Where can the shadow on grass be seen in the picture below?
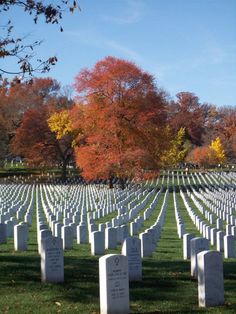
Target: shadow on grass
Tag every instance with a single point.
(22, 267)
(167, 283)
(23, 272)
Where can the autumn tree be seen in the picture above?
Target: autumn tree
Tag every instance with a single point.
(218, 152)
(210, 155)
(211, 124)
(176, 150)
(16, 98)
(187, 112)
(122, 120)
(35, 141)
(226, 130)
(16, 47)
(201, 156)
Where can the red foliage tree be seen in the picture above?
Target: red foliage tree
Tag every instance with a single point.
(203, 156)
(188, 113)
(226, 128)
(35, 141)
(121, 120)
(17, 98)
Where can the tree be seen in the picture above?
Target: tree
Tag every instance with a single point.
(188, 113)
(176, 151)
(211, 124)
(122, 117)
(17, 98)
(16, 47)
(201, 156)
(226, 128)
(218, 151)
(38, 144)
(60, 123)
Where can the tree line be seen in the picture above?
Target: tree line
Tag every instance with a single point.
(120, 124)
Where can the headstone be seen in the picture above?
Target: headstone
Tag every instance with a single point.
(10, 228)
(186, 245)
(210, 279)
(73, 226)
(229, 243)
(197, 245)
(146, 244)
(228, 229)
(220, 241)
(43, 234)
(67, 237)
(110, 238)
(132, 249)
(3, 233)
(58, 227)
(91, 228)
(97, 243)
(52, 260)
(213, 236)
(82, 234)
(219, 223)
(181, 230)
(114, 284)
(20, 237)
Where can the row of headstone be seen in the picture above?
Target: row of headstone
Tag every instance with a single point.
(224, 243)
(150, 237)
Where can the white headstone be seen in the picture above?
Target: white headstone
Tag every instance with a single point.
(82, 234)
(110, 238)
(220, 241)
(210, 279)
(67, 237)
(52, 260)
(186, 245)
(197, 245)
(132, 249)
(43, 234)
(229, 246)
(97, 243)
(146, 244)
(20, 237)
(114, 284)
(58, 227)
(213, 236)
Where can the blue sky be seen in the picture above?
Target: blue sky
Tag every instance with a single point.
(188, 45)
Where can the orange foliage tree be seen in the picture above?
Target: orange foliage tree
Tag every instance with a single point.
(203, 156)
(121, 121)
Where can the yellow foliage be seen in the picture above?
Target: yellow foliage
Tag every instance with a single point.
(218, 150)
(60, 123)
(176, 152)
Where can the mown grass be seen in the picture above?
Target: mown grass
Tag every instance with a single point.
(167, 286)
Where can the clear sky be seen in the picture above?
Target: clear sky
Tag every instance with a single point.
(188, 45)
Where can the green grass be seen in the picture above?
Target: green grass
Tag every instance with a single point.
(167, 286)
